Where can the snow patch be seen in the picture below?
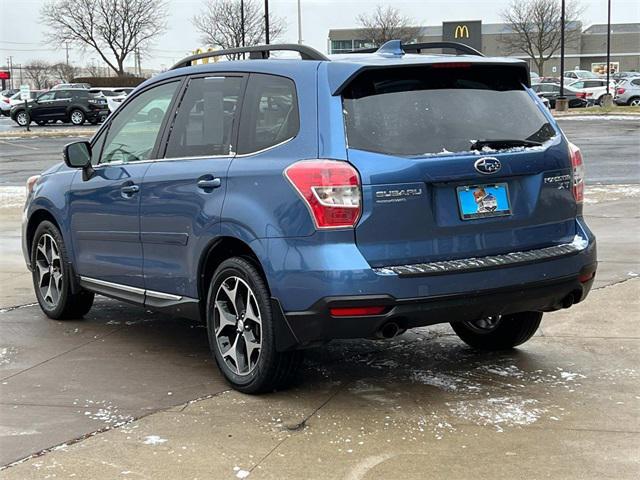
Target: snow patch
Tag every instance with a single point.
(498, 412)
(154, 440)
(12, 197)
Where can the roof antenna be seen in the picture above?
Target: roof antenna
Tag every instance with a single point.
(392, 47)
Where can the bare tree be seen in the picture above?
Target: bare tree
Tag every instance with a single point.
(536, 28)
(386, 23)
(115, 29)
(220, 23)
(64, 72)
(94, 70)
(38, 72)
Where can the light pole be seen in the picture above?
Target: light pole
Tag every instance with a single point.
(299, 23)
(266, 22)
(608, 45)
(561, 102)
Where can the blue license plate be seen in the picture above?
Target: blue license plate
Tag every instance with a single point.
(482, 201)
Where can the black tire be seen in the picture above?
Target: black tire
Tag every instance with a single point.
(77, 117)
(272, 370)
(22, 118)
(509, 331)
(65, 305)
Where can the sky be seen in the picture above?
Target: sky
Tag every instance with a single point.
(24, 38)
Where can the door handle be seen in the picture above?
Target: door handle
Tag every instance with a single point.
(129, 190)
(209, 183)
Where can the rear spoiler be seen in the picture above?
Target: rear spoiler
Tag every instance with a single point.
(344, 73)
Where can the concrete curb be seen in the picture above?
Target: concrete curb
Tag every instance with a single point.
(48, 134)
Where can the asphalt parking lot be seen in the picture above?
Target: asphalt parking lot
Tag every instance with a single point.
(422, 405)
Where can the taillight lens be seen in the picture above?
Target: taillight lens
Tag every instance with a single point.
(578, 172)
(581, 95)
(331, 190)
(620, 91)
(356, 311)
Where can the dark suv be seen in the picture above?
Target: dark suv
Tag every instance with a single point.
(70, 105)
(290, 202)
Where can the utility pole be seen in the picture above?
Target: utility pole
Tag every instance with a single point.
(10, 64)
(562, 103)
(608, 44)
(266, 22)
(299, 24)
(242, 39)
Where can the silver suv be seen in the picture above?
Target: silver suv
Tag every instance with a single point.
(628, 92)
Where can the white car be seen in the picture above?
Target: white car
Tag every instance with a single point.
(114, 96)
(579, 75)
(594, 88)
(6, 104)
(67, 86)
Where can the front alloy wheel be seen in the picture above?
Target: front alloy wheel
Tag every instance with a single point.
(22, 118)
(238, 326)
(49, 270)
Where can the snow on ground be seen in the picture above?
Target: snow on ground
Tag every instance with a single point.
(12, 197)
(610, 193)
(591, 118)
(154, 440)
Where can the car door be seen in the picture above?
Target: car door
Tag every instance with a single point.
(183, 193)
(60, 104)
(104, 205)
(43, 106)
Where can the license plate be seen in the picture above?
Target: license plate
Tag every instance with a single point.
(482, 201)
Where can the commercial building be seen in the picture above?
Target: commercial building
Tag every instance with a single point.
(585, 48)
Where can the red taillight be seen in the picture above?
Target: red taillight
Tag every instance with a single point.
(581, 95)
(585, 277)
(620, 91)
(331, 190)
(6, 100)
(356, 311)
(578, 172)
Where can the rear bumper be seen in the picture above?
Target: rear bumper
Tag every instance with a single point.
(316, 325)
(313, 277)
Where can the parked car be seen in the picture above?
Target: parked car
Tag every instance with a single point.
(8, 93)
(619, 76)
(74, 105)
(286, 203)
(6, 105)
(551, 92)
(116, 96)
(628, 92)
(594, 89)
(548, 80)
(67, 86)
(580, 75)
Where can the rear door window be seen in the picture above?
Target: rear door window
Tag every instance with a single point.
(423, 110)
(269, 114)
(205, 119)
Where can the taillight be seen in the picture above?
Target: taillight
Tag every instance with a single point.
(331, 190)
(6, 100)
(581, 95)
(620, 91)
(356, 311)
(578, 172)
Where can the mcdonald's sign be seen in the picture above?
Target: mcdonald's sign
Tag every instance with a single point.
(462, 31)
(469, 33)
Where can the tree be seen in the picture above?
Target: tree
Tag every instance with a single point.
(115, 29)
(38, 73)
(386, 23)
(64, 72)
(220, 23)
(536, 28)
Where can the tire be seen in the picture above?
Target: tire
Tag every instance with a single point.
(22, 118)
(499, 333)
(155, 115)
(263, 369)
(77, 117)
(634, 102)
(48, 257)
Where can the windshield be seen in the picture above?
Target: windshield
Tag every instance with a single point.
(424, 110)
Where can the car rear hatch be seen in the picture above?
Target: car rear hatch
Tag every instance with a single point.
(456, 161)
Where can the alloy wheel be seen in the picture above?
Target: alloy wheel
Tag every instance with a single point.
(237, 325)
(77, 117)
(49, 270)
(22, 119)
(484, 325)
(635, 102)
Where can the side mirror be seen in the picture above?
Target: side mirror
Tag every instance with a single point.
(77, 154)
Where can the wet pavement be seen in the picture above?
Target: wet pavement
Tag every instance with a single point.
(127, 393)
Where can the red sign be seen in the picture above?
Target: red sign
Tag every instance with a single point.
(5, 75)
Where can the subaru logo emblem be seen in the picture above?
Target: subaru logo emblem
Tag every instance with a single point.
(487, 165)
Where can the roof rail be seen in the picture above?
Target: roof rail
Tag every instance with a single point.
(256, 52)
(418, 47)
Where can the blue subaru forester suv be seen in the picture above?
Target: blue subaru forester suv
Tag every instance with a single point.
(288, 202)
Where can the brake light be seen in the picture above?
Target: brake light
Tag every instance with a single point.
(331, 190)
(451, 65)
(6, 100)
(578, 172)
(581, 95)
(620, 91)
(356, 311)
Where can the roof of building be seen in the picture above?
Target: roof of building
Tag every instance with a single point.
(601, 28)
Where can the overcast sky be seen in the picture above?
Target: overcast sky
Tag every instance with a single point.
(24, 38)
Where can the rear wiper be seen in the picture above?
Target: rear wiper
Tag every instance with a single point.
(503, 143)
